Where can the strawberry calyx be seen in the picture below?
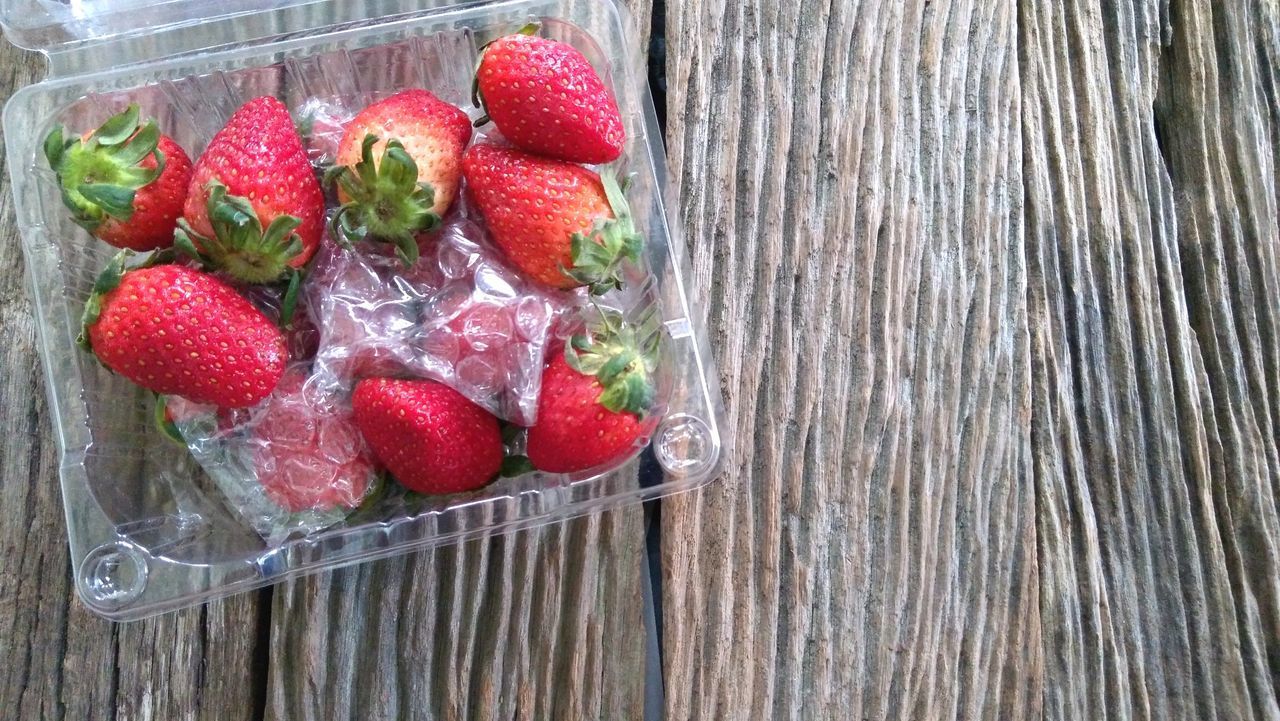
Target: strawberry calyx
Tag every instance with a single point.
(239, 245)
(165, 422)
(622, 357)
(107, 281)
(100, 175)
(289, 301)
(370, 506)
(514, 464)
(477, 98)
(386, 201)
(600, 255)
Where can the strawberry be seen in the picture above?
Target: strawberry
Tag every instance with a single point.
(175, 330)
(595, 400)
(124, 182)
(308, 458)
(431, 438)
(417, 140)
(547, 99)
(559, 223)
(254, 176)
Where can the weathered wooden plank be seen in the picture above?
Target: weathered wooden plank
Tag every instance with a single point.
(568, 598)
(640, 13)
(1150, 140)
(59, 660)
(544, 624)
(196, 663)
(886, 310)
(51, 669)
(540, 624)
(852, 193)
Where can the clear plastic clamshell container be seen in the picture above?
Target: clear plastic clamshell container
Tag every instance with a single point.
(149, 530)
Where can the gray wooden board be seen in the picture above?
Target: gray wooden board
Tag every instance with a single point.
(541, 624)
(852, 180)
(1151, 234)
(62, 662)
(993, 286)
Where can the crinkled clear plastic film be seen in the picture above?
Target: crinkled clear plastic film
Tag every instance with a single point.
(459, 316)
(293, 464)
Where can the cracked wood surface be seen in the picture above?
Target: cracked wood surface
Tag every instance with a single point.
(996, 286)
(993, 287)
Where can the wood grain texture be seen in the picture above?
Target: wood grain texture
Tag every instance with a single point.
(542, 624)
(538, 625)
(852, 195)
(49, 670)
(1150, 146)
(60, 661)
(1126, 154)
(993, 288)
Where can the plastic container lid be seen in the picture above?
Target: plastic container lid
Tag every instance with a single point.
(50, 24)
(91, 35)
(148, 530)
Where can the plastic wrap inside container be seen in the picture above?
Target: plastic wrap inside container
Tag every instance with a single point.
(460, 316)
(294, 463)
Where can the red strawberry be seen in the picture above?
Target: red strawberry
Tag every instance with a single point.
(594, 400)
(308, 458)
(431, 438)
(254, 176)
(179, 331)
(125, 182)
(547, 99)
(417, 140)
(559, 223)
